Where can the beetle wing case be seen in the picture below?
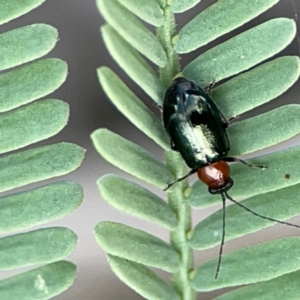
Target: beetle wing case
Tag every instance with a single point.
(194, 123)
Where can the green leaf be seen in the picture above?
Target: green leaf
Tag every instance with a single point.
(281, 205)
(130, 158)
(217, 20)
(241, 52)
(136, 245)
(30, 82)
(249, 265)
(12, 9)
(36, 247)
(245, 139)
(179, 6)
(132, 107)
(258, 86)
(283, 287)
(149, 11)
(22, 126)
(39, 164)
(40, 284)
(136, 200)
(32, 123)
(142, 280)
(133, 64)
(27, 43)
(282, 172)
(40, 205)
(132, 30)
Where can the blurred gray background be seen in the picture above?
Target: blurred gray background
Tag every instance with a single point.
(81, 46)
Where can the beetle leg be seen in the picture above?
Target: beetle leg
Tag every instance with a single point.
(208, 88)
(180, 179)
(235, 159)
(232, 119)
(158, 106)
(227, 122)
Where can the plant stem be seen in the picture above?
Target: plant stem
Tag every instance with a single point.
(174, 162)
(179, 205)
(165, 34)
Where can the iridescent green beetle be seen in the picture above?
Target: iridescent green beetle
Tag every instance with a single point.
(197, 129)
(196, 126)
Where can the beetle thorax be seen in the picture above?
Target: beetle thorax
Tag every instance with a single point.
(215, 175)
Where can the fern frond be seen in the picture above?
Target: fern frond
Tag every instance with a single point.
(23, 123)
(267, 191)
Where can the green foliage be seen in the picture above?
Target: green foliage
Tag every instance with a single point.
(30, 82)
(178, 6)
(239, 222)
(32, 123)
(268, 290)
(39, 164)
(149, 11)
(132, 107)
(12, 9)
(36, 247)
(218, 19)
(245, 50)
(258, 86)
(271, 192)
(134, 159)
(262, 263)
(25, 44)
(40, 283)
(133, 63)
(136, 200)
(136, 245)
(132, 30)
(142, 279)
(285, 119)
(23, 123)
(40, 205)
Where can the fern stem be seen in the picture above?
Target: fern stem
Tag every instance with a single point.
(174, 162)
(165, 34)
(178, 203)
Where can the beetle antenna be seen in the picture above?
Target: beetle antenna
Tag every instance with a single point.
(259, 215)
(235, 159)
(180, 179)
(158, 106)
(223, 237)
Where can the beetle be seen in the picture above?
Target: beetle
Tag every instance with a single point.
(197, 129)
